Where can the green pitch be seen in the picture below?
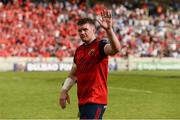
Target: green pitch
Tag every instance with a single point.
(137, 94)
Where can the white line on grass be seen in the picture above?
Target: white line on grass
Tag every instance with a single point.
(131, 90)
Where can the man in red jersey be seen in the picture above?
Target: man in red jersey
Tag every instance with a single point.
(90, 68)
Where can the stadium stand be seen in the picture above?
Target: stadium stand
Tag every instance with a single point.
(29, 29)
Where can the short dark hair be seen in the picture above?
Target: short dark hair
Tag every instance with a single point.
(83, 21)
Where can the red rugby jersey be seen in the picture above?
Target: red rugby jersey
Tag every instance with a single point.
(92, 71)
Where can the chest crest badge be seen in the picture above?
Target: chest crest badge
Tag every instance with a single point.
(91, 52)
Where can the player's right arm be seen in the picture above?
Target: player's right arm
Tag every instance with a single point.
(68, 83)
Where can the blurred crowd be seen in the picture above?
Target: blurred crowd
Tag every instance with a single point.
(49, 29)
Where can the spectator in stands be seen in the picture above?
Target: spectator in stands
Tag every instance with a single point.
(39, 29)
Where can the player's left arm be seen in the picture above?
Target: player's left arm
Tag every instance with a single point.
(106, 23)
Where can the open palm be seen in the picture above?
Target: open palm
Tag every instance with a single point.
(106, 19)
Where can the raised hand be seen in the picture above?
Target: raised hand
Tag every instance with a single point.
(106, 19)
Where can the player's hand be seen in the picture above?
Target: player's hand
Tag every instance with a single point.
(63, 98)
(106, 19)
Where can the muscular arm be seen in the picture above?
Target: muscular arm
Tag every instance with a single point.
(106, 23)
(73, 72)
(114, 46)
(71, 79)
(68, 83)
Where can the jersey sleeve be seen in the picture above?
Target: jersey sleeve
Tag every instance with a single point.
(102, 43)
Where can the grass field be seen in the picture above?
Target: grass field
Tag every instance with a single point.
(136, 94)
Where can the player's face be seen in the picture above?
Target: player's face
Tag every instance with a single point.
(86, 32)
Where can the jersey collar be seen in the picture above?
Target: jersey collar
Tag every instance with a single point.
(91, 42)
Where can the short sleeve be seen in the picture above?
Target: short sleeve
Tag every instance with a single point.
(102, 43)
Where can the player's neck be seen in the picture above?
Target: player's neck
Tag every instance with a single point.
(89, 42)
